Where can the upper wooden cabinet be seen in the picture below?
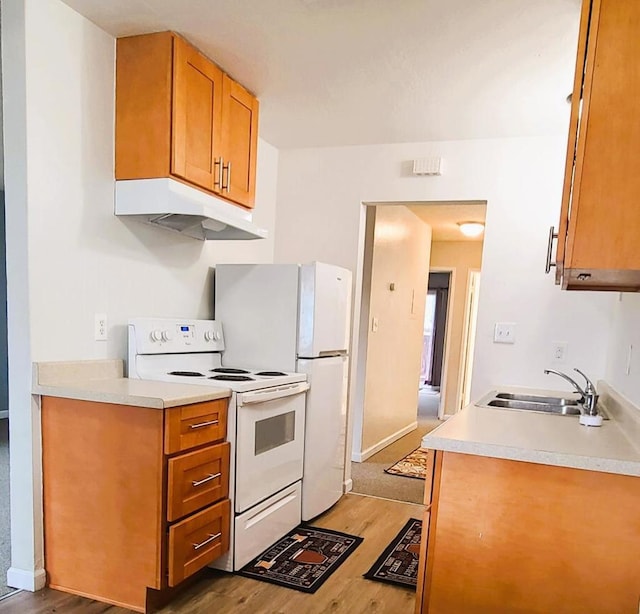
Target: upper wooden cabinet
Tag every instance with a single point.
(178, 114)
(598, 246)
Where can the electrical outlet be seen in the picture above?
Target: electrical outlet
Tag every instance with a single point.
(100, 326)
(559, 351)
(505, 332)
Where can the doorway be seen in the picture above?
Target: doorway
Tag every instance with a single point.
(400, 353)
(433, 343)
(436, 308)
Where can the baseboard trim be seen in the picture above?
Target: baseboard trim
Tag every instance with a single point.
(348, 485)
(26, 580)
(360, 457)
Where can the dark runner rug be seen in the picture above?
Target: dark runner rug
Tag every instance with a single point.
(303, 559)
(413, 465)
(398, 564)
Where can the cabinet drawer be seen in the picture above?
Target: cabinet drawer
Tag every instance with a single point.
(195, 425)
(198, 540)
(197, 479)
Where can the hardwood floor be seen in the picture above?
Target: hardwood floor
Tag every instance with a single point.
(346, 591)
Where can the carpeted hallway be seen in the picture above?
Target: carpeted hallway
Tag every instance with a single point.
(369, 477)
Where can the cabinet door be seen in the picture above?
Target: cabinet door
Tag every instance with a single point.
(576, 106)
(603, 215)
(197, 107)
(239, 143)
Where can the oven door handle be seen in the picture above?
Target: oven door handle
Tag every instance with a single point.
(261, 396)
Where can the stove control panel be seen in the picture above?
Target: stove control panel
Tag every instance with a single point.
(169, 336)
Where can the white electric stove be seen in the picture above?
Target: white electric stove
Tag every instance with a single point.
(265, 425)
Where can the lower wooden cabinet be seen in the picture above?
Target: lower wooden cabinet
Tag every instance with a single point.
(507, 536)
(135, 499)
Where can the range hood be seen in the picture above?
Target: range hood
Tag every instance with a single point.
(176, 206)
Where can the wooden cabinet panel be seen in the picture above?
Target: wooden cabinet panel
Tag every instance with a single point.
(576, 104)
(198, 540)
(197, 479)
(178, 114)
(195, 425)
(239, 142)
(197, 108)
(429, 477)
(508, 536)
(143, 106)
(600, 219)
(102, 499)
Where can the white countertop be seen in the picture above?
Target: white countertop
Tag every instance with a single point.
(547, 439)
(102, 382)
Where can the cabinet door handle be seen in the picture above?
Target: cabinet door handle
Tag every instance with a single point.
(211, 476)
(226, 187)
(203, 424)
(206, 541)
(552, 235)
(219, 163)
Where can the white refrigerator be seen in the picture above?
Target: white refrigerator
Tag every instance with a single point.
(293, 317)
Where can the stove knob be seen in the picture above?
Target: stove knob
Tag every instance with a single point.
(209, 335)
(166, 335)
(156, 335)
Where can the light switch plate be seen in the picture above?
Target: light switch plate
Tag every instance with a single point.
(505, 332)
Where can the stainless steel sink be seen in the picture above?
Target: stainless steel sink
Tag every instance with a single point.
(566, 409)
(561, 406)
(533, 398)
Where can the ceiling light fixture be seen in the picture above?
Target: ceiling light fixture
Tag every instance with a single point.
(471, 229)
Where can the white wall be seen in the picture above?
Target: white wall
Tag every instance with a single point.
(400, 256)
(625, 334)
(68, 255)
(319, 216)
(79, 250)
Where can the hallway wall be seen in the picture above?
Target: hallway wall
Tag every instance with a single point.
(401, 245)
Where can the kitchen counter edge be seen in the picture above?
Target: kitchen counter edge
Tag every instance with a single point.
(102, 381)
(487, 432)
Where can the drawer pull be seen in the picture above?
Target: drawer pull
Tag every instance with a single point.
(211, 476)
(203, 424)
(206, 541)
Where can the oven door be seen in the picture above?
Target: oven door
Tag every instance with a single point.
(269, 443)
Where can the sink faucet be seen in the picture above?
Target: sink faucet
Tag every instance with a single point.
(589, 394)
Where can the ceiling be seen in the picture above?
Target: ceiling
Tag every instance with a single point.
(353, 72)
(443, 217)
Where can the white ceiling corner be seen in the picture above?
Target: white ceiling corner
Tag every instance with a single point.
(352, 72)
